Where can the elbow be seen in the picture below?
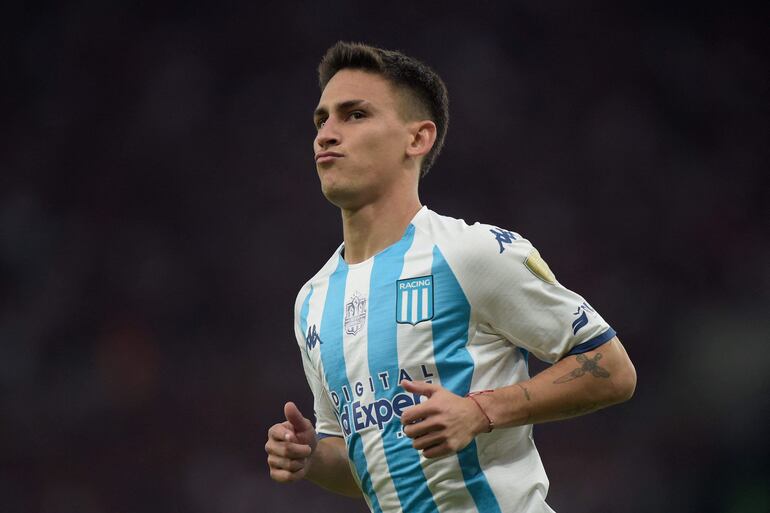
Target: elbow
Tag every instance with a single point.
(625, 384)
(623, 374)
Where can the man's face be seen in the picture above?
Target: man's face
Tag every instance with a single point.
(361, 143)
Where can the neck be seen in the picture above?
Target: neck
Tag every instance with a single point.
(375, 226)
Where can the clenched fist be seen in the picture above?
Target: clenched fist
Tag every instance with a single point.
(290, 445)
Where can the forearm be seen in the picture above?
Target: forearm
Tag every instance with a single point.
(573, 386)
(329, 467)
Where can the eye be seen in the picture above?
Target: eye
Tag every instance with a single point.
(357, 114)
(320, 123)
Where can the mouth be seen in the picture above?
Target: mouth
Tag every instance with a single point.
(327, 156)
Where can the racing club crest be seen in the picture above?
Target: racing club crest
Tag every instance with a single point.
(414, 300)
(355, 314)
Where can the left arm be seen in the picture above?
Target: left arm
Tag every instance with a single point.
(575, 385)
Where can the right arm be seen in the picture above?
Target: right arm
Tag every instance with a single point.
(294, 453)
(293, 448)
(329, 467)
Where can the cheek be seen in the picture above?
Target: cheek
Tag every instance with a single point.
(386, 144)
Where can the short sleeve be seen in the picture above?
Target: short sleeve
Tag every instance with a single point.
(513, 291)
(326, 423)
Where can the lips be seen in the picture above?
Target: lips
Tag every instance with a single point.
(326, 156)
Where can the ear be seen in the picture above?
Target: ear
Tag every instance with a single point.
(422, 137)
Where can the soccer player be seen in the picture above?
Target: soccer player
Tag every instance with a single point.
(415, 334)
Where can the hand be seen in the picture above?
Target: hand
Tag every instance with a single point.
(442, 425)
(290, 445)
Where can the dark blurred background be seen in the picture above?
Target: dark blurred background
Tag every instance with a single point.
(159, 210)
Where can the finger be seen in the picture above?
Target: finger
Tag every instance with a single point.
(417, 413)
(285, 476)
(437, 451)
(289, 435)
(291, 465)
(419, 429)
(410, 417)
(295, 417)
(420, 387)
(280, 432)
(297, 450)
(429, 440)
(288, 449)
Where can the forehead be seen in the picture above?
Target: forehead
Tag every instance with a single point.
(348, 84)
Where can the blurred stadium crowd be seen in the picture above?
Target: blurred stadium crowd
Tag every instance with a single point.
(159, 210)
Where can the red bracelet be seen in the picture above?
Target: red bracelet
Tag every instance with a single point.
(489, 421)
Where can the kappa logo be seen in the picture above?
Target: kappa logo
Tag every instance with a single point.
(582, 320)
(355, 314)
(503, 237)
(579, 323)
(312, 338)
(414, 300)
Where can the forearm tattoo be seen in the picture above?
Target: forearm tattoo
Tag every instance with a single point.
(586, 366)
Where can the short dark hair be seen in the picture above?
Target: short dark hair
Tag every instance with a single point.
(424, 87)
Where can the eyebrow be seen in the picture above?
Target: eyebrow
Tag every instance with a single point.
(320, 111)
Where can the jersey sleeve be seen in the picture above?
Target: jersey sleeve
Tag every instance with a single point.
(326, 423)
(512, 290)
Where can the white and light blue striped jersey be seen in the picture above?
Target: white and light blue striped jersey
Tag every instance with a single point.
(457, 305)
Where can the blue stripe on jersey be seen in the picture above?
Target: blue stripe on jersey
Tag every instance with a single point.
(403, 460)
(590, 345)
(321, 436)
(525, 354)
(455, 367)
(333, 358)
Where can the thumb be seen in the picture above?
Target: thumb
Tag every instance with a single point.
(295, 417)
(420, 387)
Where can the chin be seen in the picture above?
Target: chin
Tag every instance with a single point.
(343, 196)
(338, 196)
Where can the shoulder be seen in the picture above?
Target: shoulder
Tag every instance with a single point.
(485, 258)
(477, 242)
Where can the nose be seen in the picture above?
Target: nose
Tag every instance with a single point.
(327, 136)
